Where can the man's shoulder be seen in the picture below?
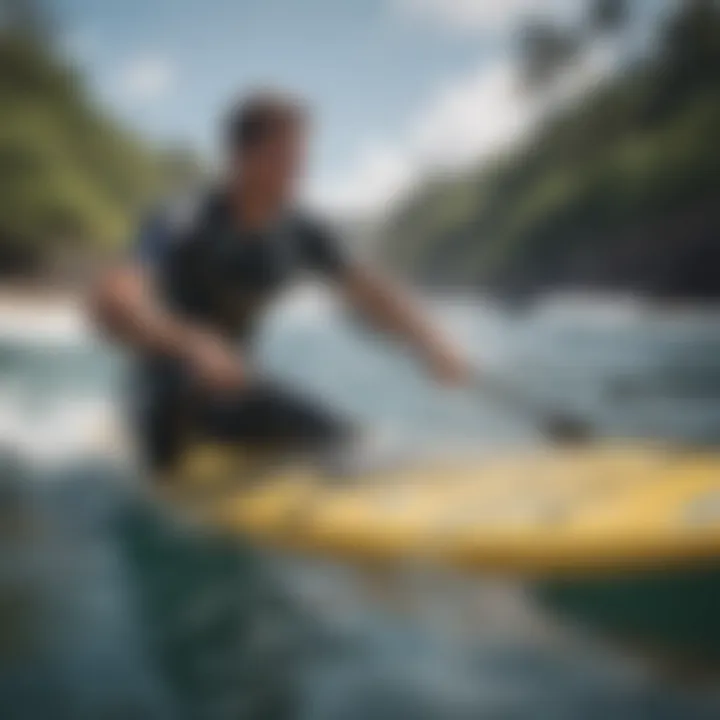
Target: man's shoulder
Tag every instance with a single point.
(169, 224)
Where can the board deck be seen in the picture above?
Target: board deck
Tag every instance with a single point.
(551, 512)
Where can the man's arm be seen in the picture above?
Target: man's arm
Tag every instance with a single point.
(384, 303)
(123, 305)
(393, 310)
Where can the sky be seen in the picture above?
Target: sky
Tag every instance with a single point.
(397, 86)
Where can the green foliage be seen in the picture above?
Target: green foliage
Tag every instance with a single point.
(70, 177)
(642, 147)
(545, 50)
(608, 15)
(30, 19)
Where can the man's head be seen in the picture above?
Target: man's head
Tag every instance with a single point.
(266, 138)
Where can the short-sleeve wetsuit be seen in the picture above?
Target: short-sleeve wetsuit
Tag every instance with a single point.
(208, 271)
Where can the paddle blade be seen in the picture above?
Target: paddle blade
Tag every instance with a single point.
(560, 427)
(566, 429)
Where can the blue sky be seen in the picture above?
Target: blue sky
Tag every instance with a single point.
(391, 80)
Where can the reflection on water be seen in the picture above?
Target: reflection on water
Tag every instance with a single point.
(113, 607)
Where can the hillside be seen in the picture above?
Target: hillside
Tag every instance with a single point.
(621, 192)
(71, 177)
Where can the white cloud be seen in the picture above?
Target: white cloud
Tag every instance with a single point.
(483, 15)
(466, 121)
(474, 116)
(146, 78)
(381, 171)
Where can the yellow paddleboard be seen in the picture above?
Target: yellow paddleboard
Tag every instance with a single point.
(554, 512)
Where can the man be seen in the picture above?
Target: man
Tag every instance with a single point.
(200, 278)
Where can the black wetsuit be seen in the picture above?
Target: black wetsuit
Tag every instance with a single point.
(209, 271)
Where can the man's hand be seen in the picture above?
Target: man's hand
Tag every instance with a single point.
(394, 310)
(123, 305)
(214, 363)
(450, 368)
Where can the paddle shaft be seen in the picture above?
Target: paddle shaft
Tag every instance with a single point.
(557, 425)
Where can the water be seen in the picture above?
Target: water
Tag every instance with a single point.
(114, 608)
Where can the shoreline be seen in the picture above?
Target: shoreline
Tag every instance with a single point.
(35, 302)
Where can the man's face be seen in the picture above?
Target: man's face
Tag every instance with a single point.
(275, 165)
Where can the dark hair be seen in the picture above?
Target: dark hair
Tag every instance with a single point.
(261, 115)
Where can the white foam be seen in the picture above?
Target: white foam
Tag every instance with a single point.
(62, 433)
(33, 325)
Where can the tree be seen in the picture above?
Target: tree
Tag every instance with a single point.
(71, 178)
(618, 189)
(692, 39)
(31, 19)
(545, 49)
(608, 16)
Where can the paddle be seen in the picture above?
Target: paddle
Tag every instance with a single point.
(637, 388)
(558, 425)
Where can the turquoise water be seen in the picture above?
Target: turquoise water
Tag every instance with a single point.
(114, 608)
